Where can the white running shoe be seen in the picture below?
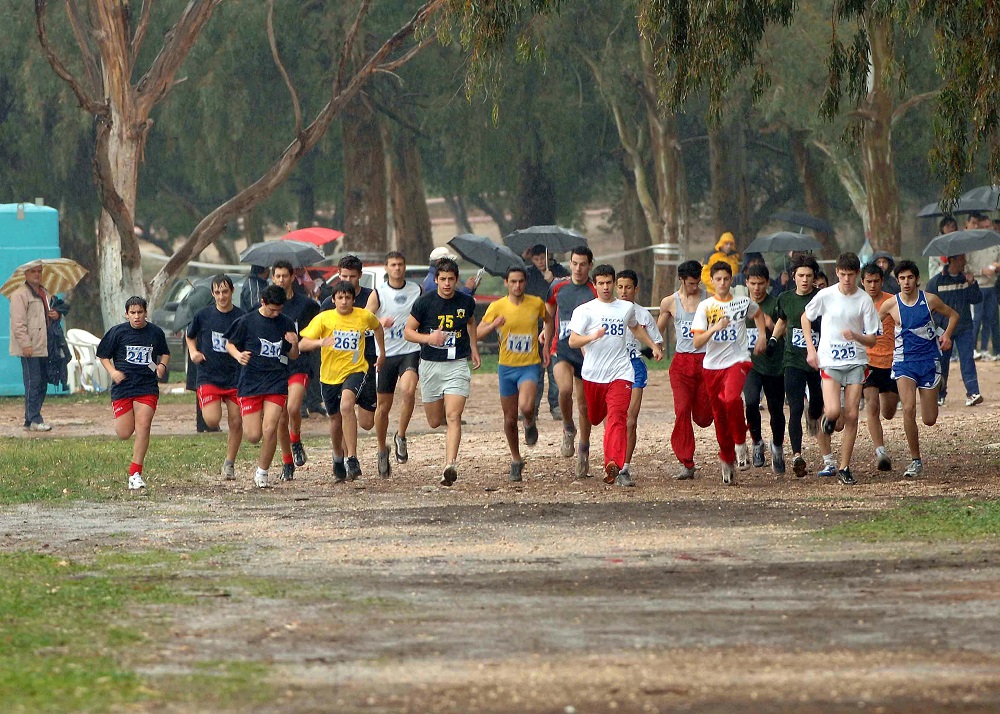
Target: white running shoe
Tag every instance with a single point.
(973, 400)
(135, 482)
(228, 471)
(260, 479)
(742, 457)
(728, 473)
(914, 469)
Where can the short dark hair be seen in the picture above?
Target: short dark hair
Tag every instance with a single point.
(689, 269)
(976, 216)
(350, 262)
(279, 264)
(258, 269)
(344, 286)
(603, 269)
(394, 255)
(821, 274)
(221, 279)
(873, 268)
(446, 265)
(905, 265)
(584, 251)
(948, 219)
(136, 301)
(804, 261)
(758, 271)
(849, 261)
(538, 249)
(272, 295)
(628, 275)
(514, 269)
(720, 265)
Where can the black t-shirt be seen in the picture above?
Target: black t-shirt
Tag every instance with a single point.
(300, 309)
(433, 312)
(264, 338)
(134, 352)
(360, 300)
(208, 329)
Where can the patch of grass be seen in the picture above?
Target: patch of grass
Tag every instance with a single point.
(934, 520)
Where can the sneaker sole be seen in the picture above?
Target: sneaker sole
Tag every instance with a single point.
(885, 465)
(611, 472)
(401, 456)
(449, 476)
(800, 469)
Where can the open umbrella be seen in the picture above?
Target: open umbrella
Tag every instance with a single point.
(58, 276)
(317, 235)
(269, 252)
(798, 218)
(556, 239)
(959, 242)
(782, 242)
(989, 196)
(965, 204)
(495, 259)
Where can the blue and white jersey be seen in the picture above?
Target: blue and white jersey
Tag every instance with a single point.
(916, 333)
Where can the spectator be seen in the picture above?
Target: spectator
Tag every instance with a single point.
(958, 289)
(983, 264)
(935, 264)
(30, 314)
(725, 251)
(429, 284)
(255, 283)
(539, 277)
(740, 280)
(885, 261)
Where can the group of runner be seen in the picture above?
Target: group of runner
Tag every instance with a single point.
(821, 347)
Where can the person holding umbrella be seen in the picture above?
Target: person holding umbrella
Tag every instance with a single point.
(958, 289)
(252, 287)
(30, 315)
(541, 271)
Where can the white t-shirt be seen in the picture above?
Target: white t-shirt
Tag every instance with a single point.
(606, 359)
(843, 312)
(644, 318)
(727, 347)
(397, 303)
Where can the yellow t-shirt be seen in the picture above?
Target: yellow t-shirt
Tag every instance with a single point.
(518, 336)
(347, 355)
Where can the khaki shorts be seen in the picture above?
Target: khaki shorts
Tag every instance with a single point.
(440, 378)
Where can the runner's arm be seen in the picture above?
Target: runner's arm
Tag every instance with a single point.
(380, 342)
(474, 344)
(807, 334)
(700, 338)
(642, 334)
(576, 340)
(760, 319)
(937, 305)
(666, 312)
(780, 327)
(373, 303)
(117, 376)
(196, 355)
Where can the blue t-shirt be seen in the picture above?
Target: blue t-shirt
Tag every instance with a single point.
(136, 353)
(208, 329)
(264, 338)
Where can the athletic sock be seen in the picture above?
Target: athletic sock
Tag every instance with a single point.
(261, 472)
(286, 459)
(340, 459)
(625, 466)
(229, 462)
(296, 438)
(879, 450)
(828, 459)
(134, 468)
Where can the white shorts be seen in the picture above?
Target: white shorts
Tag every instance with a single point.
(440, 378)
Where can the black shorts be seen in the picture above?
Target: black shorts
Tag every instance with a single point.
(881, 379)
(355, 383)
(573, 357)
(395, 367)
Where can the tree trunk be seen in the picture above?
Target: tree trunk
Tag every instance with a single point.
(635, 232)
(850, 181)
(253, 227)
(456, 205)
(728, 164)
(365, 201)
(536, 195)
(409, 199)
(76, 240)
(812, 189)
(304, 188)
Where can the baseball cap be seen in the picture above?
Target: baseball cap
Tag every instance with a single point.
(442, 251)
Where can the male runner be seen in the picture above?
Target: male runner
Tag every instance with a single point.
(564, 298)
(766, 374)
(136, 355)
(520, 368)
(627, 283)
(850, 321)
(880, 392)
(442, 322)
(720, 326)
(300, 309)
(343, 370)
(799, 374)
(402, 359)
(218, 374)
(263, 341)
(687, 379)
(916, 362)
(599, 328)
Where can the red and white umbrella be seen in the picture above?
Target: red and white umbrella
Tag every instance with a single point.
(314, 234)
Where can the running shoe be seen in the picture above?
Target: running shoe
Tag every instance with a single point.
(583, 462)
(812, 426)
(135, 482)
(914, 469)
(287, 472)
(298, 453)
(384, 469)
(228, 471)
(973, 400)
(882, 460)
(568, 441)
(353, 468)
(260, 479)
(685, 474)
(799, 466)
(828, 426)
(611, 472)
(531, 434)
(624, 479)
(556, 414)
(399, 445)
(516, 467)
(39, 426)
(339, 471)
(449, 475)
(941, 401)
(742, 457)
(758, 454)
(829, 470)
(778, 459)
(977, 355)
(728, 473)
(846, 477)
(627, 469)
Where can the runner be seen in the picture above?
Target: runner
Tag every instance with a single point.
(799, 374)
(402, 359)
(719, 326)
(880, 392)
(766, 375)
(300, 309)
(520, 368)
(916, 362)
(441, 322)
(599, 328)
(850, 320)
(217, 374)
(627, 283)
(564, 298)
(263, 341)
(341, 333)
(136, 355)
(687, 378)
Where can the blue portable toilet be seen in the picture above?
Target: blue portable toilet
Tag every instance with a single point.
(27, 232)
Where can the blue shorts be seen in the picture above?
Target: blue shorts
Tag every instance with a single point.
(926, 373)
(641, 376)
(511, 378)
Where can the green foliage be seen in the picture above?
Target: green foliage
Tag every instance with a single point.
(934, 520)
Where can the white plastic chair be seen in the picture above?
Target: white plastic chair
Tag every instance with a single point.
(86, 372)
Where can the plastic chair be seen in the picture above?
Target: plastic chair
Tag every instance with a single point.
(86, 372)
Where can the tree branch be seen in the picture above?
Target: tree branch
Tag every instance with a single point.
(345, 51)
(140, 30)
(90, 105)
(86, 52)
(281, 68)
(914, 101)
(395, 64)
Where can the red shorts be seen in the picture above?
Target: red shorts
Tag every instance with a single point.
(299, 378)
(208, 393)
(251, 405)
(120, 407)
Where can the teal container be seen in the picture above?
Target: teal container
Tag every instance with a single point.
(27, 232)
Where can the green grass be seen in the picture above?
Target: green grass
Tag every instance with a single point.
(934, 520)
(69, 640)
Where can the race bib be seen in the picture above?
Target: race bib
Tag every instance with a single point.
(346, 340)
(843, 351)
(137, 354)
(615, 328)
(684, 330)
(520, 344)
(218, 341)
(727, 335)
(270, 349)
(564, 329)
(799, 338)
(752, 334)
(449, 341)
(396, 332)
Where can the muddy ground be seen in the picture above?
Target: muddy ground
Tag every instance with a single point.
(558, 595)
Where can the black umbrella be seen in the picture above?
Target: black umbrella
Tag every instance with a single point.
(988, 196)
(964, 204)
(959, 242)
(556, 239)
(268, 253)
(797, 218)
(782, 242)
(495, 259)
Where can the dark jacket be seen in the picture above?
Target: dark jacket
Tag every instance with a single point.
(250, 294)
(958, 294)
(889, 282)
